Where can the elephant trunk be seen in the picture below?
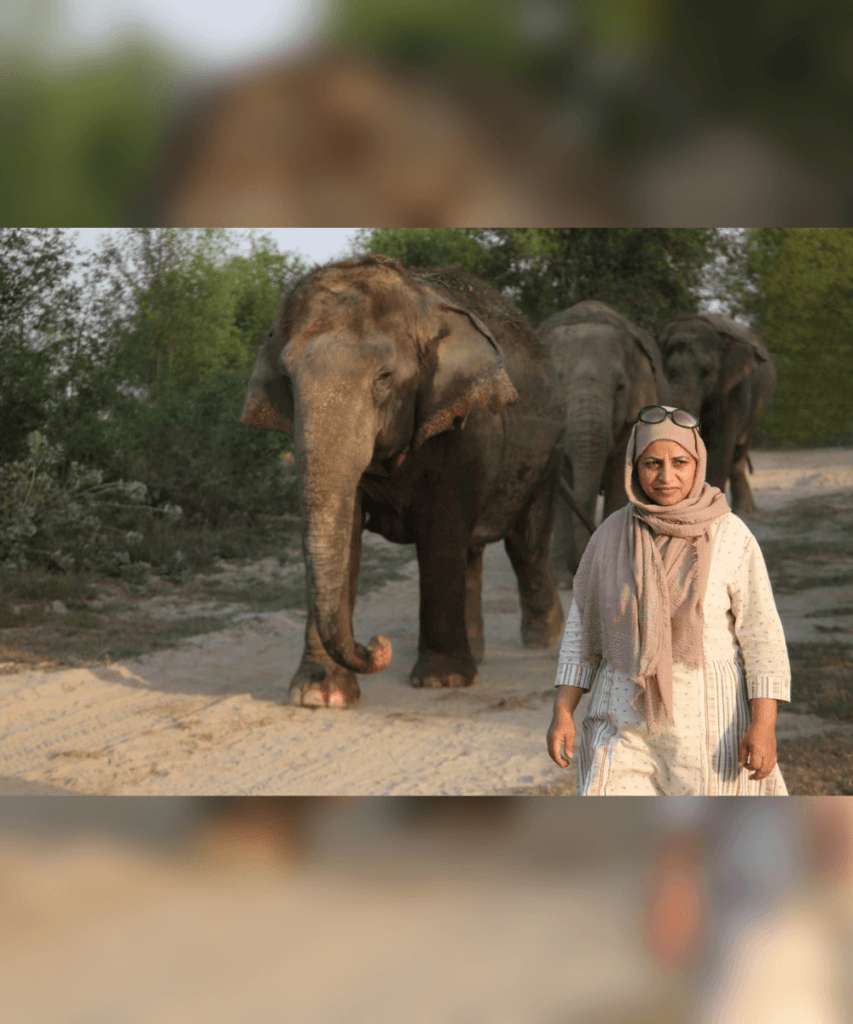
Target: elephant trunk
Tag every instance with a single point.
(588, 439)
(329, 473)
(685, 391)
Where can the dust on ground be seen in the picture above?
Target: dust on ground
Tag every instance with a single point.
(205, 713)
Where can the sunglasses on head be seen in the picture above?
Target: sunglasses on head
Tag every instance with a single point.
(657, 414)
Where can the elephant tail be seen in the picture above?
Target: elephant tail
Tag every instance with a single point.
(568, 496)
(749, 464)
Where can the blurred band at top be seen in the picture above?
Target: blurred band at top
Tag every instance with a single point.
(435, 113)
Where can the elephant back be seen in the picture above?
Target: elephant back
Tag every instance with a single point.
(722, 325)
(593, 311)
(509, 326)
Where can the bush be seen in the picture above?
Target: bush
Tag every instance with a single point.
(71, 520)
(191, 449)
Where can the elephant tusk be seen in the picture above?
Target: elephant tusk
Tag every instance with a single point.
(575, 505)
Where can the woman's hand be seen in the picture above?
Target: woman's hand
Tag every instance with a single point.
(757, 751)
(561, 733)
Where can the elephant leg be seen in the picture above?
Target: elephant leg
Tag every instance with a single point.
(319, 681)
(721, 445)
(565, 549)
(615, 496)
(542, 618)
(442, 535)
(742, 499)
(562, 551)
(473, 601)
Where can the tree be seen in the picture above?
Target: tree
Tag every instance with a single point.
(801, 300)
(258, 281)
(648, 274)
(39, 304)
(174, 303)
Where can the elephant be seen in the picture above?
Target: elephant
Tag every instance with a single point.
(719, 370)
(330, 138)
(610, 369)
(422, 408)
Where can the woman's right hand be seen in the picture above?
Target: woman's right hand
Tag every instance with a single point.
(561, 734)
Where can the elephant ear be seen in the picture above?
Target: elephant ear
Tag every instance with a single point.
(269, 397)
(463, 368)
(744, 352)
(648, 346)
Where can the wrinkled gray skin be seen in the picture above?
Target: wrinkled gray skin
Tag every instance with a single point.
(415, 419)
(721, 371)
(610, 369)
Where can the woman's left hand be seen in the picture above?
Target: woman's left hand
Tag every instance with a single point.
(757, 750)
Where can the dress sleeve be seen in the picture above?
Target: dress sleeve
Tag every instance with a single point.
(759, 629)
(572, 670)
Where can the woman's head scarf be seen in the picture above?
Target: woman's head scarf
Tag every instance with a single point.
(642, 579)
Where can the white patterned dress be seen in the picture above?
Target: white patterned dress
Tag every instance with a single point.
(697, 754)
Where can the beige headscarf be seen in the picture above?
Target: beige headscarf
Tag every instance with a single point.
(642, 579)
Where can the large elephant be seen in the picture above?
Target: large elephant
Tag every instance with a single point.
(719, 369)
(423, 408)
(610, 369)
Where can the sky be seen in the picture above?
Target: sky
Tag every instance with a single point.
(317, 245)
(208, 32)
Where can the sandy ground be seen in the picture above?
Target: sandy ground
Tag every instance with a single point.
(125, 938)
(417, 911)
(207, 718)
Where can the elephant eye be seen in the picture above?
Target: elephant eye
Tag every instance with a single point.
(385, 373)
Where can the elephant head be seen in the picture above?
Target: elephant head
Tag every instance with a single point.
(705, 358)
(366, 363)
(610, 369)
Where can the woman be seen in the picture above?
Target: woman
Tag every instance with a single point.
(674, 627)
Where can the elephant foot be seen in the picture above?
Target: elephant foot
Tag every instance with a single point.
(444, 670)
(543, 630)
(316, 685)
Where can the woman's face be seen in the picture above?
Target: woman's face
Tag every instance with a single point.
(666, 472)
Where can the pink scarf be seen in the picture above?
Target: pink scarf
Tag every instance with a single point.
(642, 580)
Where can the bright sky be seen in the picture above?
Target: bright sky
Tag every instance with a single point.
(317, 245)
(208, 31)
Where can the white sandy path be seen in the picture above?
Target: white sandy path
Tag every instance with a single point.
(207, 719)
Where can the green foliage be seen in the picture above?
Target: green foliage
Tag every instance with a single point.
(191, 449)
(77, 139)
(137, 357)
(187, 306)
(181, 303)
(648, 274)
(432, 247)
(799, 294)
(70, 521)
(257, 282)
(38, 304)
(480, 35)
(638, 74)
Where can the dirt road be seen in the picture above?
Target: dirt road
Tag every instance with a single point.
(207, 717)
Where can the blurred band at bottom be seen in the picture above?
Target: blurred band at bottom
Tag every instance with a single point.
(426, 909)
